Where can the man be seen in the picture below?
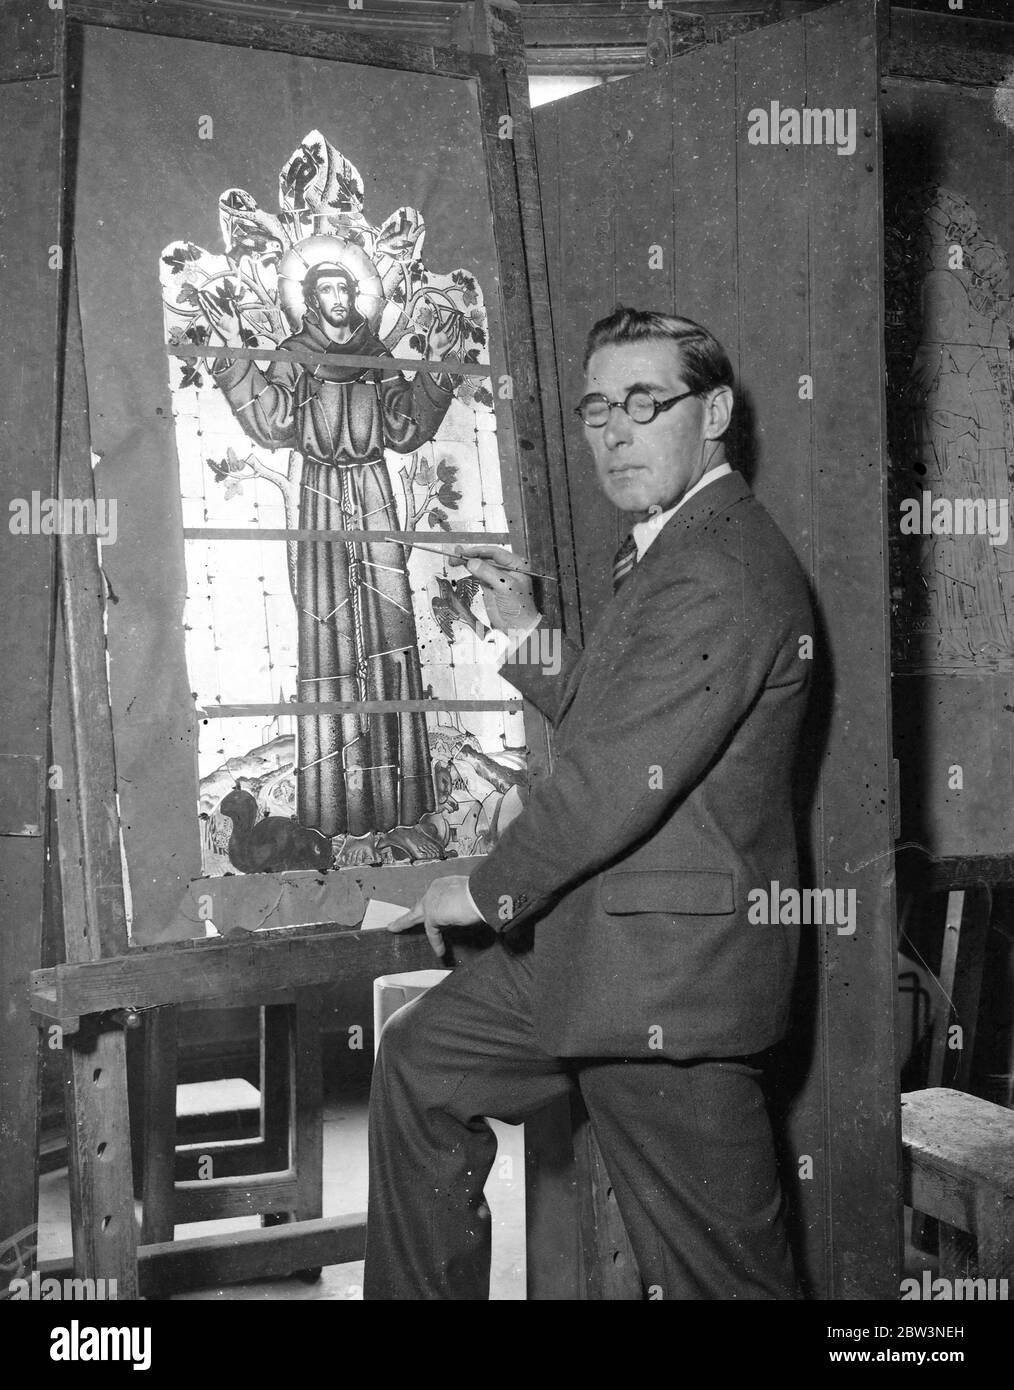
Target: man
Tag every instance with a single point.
(357, 774)
(669, 799)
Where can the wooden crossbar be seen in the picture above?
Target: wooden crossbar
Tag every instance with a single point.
(206, 1261)
(260, 966)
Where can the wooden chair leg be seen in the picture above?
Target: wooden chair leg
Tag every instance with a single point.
(994, 1225)
(277, 1074)
(552, 1227)
(576, 1242)
(308, 1093)
(101, 1187)
(956, 1252)
(161, 1066)
(966, 929)
(611, 1270)
(948, 964)
(968, 978)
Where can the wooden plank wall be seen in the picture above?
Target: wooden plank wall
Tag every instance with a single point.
(779, 252)
(29, 390)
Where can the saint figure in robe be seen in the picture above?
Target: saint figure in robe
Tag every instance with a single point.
(358, 775)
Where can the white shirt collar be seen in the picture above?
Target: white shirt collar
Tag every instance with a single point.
(644, 532)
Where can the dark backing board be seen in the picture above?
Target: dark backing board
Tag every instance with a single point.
(778, 251)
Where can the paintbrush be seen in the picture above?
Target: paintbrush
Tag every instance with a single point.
(432, 550)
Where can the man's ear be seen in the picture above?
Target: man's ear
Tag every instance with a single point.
(718, 412)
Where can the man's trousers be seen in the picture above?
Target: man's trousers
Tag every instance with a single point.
(687, 1146)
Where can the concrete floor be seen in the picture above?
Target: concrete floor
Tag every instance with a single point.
(345, 1187)
(345, 1191)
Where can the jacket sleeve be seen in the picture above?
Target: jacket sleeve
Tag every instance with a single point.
(543, 688)
(652, 714)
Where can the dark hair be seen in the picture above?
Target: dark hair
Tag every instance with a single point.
(704, 362)
(328, 271)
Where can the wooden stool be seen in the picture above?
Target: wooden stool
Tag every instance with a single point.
(279, 1176)
(958, 1166)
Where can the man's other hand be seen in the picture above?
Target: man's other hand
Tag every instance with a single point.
(506, 592)
(446, 903)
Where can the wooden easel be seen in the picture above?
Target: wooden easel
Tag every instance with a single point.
(89, 871)
(576, 1240)
(90, 894)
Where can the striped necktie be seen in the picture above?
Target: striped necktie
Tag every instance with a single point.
(624, 561)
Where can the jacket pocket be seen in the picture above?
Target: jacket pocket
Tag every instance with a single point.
(697, 893)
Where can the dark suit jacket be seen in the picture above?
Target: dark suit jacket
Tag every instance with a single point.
(669, 799)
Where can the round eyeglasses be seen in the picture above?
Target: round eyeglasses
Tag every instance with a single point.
(639, 404)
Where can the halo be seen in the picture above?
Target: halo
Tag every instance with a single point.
(311, 251)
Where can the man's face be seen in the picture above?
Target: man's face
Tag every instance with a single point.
(334, 302)
(640, 466)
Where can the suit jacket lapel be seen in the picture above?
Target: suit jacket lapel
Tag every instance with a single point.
(711, 500)
(570, 689)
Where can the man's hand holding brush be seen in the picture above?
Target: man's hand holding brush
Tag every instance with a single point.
(506, 586)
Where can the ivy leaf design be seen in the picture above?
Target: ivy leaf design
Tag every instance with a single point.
(233, 488)
(483, 396)
(190, 376)
(438, 519)
(197, 334)
(225, 295)
(449, 497)
(425, 474)
(187, 295)
(225, 470)
(446, 493)
(300, 173)
(181, 256)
